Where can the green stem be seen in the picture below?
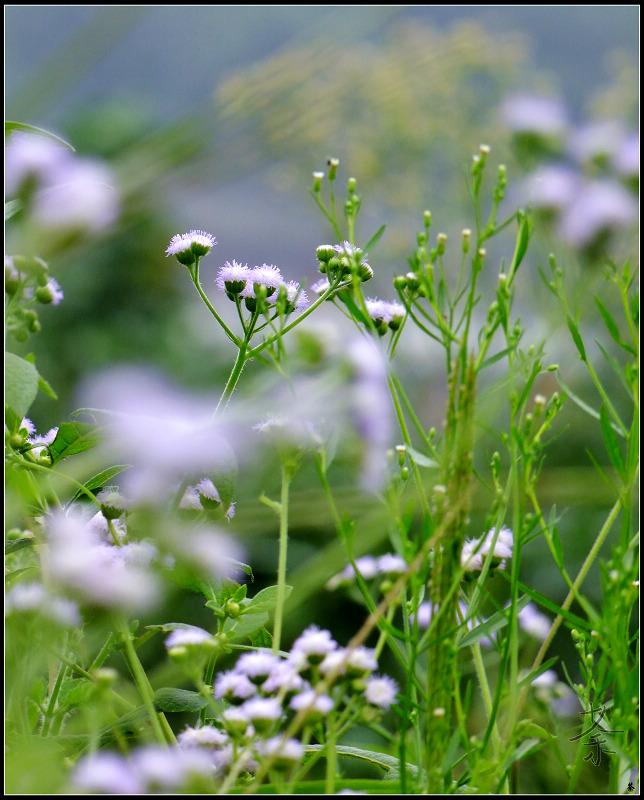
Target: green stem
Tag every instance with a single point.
(287, 477)
(195, 279)
(140, 678)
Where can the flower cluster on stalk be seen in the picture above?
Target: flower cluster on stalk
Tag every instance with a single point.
(261, 284)
(260, 697)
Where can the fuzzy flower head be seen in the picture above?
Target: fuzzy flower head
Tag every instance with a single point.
(232, 278)
(188, 247)
(475, 552)
(313, 645)
(380, 691)
(386, 315)
(352, 258)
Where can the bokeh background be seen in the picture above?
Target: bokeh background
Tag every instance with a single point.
(214, 118)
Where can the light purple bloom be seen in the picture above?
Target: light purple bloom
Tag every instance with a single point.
(371, 405)
(312, 703)
(187, 636)
(106, 773)
(97, 573)
(474, 552)
(391, 564)
(206, 736)
(199, 242)
(234, 686)
(599, 207)
(164, 433)
(381, 691)
(81, 196)
(553, 187)
(597, 140)
(170, 767)
(534, 622)
(314, 643)
(524, 113)
(257, 666)
(320, 287)
(33, 597)
(233, 277)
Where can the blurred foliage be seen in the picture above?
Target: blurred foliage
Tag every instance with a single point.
(401, 114)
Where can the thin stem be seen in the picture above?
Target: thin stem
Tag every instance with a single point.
(287, 476)
(140, 678)
(195, 279)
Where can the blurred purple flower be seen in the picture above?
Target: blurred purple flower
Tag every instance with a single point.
(599, 207)
(524, 113)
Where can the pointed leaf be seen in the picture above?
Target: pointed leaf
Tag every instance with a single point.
(21, 383)
(421, 460)
(576, 337)
(266, 600)
(375, 238)
(612, 326)
(101, 479)
(10, 127)
(612, 445)
(73, 438)
(178, 700)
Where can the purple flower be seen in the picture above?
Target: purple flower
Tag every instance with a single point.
(233, 277)
(199, 243)
(599, 207)
(524, 113)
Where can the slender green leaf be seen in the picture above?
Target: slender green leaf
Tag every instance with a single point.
(19, 573)
(612, 445)
(612, 327)
(44, 386)
(101, 479)
(11, 208)
(420, 459)
(18, 544)
(375, 238)
(615, 366)
(390, 765)
(11, 127)
(576, 337)
(527, 679)
(497, 357)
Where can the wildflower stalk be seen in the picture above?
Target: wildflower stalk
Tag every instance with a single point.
(288, 472)
(456, 475)
(123, 635)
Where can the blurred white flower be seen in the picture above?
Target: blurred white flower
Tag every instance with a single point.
(95, 572)
(33, 597)
(82, 196)
(381, 691)
(534, 622)
(164, 433)
(371, 408)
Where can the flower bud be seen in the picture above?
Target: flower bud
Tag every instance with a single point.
(333, 164)
(318, 177)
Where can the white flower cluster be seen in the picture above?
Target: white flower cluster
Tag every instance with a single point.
(369, 567)
(475, 551)
(39, 443)
(240, 280)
